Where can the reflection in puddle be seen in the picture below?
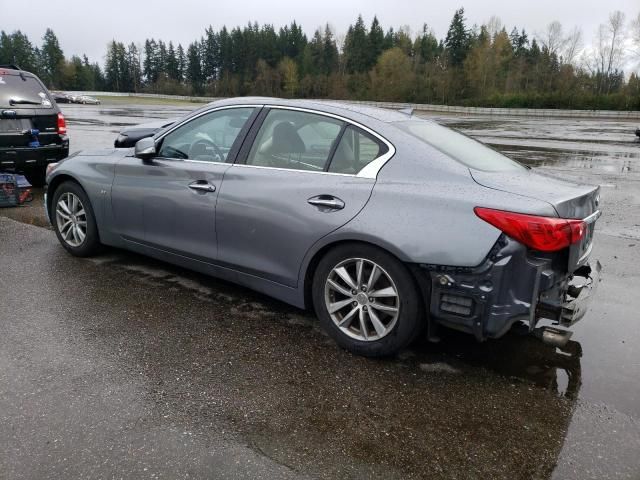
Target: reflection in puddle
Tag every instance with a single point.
(517, 357)
(592, 144)
(597, 161)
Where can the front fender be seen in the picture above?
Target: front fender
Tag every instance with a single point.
(95, 175)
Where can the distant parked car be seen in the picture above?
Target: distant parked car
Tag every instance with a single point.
(61, 97)
(386, 224)
(87, 100)
(33, 132)
(128, 136)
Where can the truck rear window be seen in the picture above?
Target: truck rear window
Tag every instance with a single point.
(462, 148)
(16, 92)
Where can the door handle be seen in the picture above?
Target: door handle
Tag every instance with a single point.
(326, 201)
(202, 186)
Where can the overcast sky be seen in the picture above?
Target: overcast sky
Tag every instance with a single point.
(87, 26)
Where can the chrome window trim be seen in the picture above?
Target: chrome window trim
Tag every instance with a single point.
(314, 172)
(205, 161)
(370, 170)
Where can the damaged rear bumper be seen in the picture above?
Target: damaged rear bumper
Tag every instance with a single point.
(511, 285)
(579, 296)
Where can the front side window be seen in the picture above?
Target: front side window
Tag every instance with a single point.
(207, 138)
(294, 140)
(355, 151)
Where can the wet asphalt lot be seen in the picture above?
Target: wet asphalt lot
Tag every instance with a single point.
(124, 367)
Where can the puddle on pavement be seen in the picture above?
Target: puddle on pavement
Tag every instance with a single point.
(600, 146)
(620, 163)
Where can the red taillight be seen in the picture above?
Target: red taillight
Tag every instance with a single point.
(547, 234)
(62, 125)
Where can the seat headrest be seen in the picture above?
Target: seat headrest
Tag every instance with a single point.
(286, 139)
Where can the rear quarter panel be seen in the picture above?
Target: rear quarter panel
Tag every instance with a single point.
(421, 209)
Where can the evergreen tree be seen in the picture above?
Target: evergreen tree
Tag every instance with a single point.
(210, 54)
(52, 58)
(17, 49)
(314, 55)
(134, 69)
(330, 51)
(194, 73)
(457, 40)
(182, 63)
(356, 47)
(150, 62)
(376, 42)
(427, 45)
(172, 64)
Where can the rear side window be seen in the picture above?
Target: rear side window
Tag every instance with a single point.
(355, 151)
(22, 92)
(464, 149)
(294, 140)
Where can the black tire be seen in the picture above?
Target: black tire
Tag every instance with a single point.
(36, 176)
(410, 316)
(91, 243)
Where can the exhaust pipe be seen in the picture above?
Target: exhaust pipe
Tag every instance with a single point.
(553, 336)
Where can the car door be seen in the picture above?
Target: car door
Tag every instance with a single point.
(283, 194)
(169, 201)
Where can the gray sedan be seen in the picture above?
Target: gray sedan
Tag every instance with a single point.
(386, 224)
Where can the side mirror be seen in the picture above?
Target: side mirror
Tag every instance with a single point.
(145, 148)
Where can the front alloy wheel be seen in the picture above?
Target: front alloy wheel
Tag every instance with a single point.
(71, 219)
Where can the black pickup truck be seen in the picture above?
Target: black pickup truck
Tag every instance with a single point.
(33, 131)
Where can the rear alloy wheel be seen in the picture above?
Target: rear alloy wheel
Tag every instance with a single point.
(73, 220)
(367, 300)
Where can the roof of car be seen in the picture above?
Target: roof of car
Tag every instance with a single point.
(329, 106)
(13, 70)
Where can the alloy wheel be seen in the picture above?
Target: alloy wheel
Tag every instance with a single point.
(362, 299)
(71, 219)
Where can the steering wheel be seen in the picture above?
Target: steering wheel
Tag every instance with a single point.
(203, 143)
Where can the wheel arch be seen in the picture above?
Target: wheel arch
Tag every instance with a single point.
(314, 258)
(58, 180)
(55, 182)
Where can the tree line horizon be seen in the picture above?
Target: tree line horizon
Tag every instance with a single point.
(473, 66)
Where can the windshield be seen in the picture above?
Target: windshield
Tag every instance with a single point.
(22, 92)
(462, 148)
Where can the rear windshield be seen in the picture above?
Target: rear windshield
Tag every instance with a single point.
(464, 149)
(16, 92)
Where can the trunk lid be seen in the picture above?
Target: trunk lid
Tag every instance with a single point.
(570, 200)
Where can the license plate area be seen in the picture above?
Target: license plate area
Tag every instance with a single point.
(14, 125)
